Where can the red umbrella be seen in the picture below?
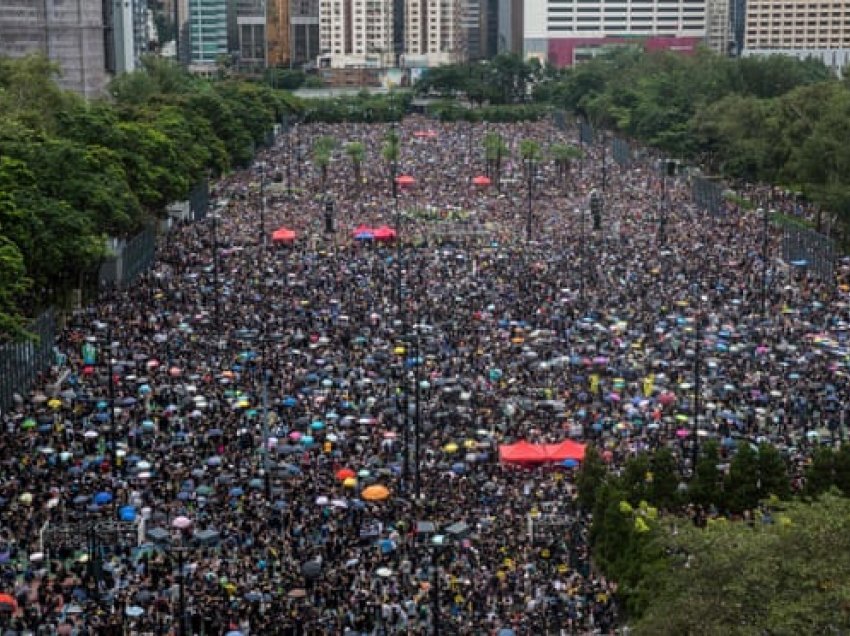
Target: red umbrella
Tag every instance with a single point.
(405, 180)
(425, 134)
(283, 235)
(8, 602)
(481, 180)
(384, 233)
(344, 473)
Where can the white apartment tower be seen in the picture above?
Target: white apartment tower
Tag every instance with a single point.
(355, 33)
(718, 28)
(433, 32)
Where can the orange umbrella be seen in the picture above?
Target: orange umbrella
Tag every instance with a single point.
(283, 235)
(375, 493)
(344, 473)
(6, 599)
(481, 180)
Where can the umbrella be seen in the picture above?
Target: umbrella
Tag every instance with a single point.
(344, 473)
(102, 498)
(181, 522)
(236, 492)
(7, 602)
(311, 569)
(376, 492)
(570, 463)
(134, 611)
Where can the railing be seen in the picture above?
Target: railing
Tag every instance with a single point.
(21, 362)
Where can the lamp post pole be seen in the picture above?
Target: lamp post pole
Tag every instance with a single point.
(530, 166)
(417, 421)
(604, 162)
(764, 255)
(112, 426)
(582, 255)
(697, 383)
(182, 587)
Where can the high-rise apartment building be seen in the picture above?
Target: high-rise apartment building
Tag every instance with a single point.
(802, 28)
(563, 32)
(127, 34)
(207, 33)
(249, 43)
(69, 32)
(356, 34)
(718, 31)
(510, 26)
(433, 32)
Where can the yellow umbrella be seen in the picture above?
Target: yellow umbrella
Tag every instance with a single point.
(349, 482)
(451, 447)
(399, 351)
(375, 493)
(54, 403)
(470, 443)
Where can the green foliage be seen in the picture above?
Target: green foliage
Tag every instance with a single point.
(506, 79)
(450, 110)
(742, 488)
(790, 573)
(705, 489)
(73, 172)
(360, 108)
(590, 478)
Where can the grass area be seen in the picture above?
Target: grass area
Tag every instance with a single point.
(740, 201)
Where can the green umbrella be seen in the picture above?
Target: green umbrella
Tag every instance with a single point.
(28, 424)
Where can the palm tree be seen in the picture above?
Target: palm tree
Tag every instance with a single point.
(563, 155)
(322, 150)
(529, 151)
(495, 149)
(356, 151)
(391, 153)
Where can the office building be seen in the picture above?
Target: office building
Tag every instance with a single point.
(433, 33)
(510, 26)
(69, 32)
(356, 33)
(207, 33)
(248, 43)
(564, 32)
(805, 28)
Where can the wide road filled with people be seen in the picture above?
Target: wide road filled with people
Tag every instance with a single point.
(306, 425)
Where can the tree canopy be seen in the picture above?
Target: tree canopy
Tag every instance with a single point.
(73, 171)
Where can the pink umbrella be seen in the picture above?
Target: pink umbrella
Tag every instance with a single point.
(296, 435)
(181, 523)
(682, 433)
(614, 397)
(667, 398)
(761, 350)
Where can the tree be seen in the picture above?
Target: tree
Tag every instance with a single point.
(773, 473)
(664, 485)
(705, 488)
(788, 574)
(563, 155)
(842, 469)
(495, 149)
(820, 473)
(742, 483)
(13, 285)
(322, 151)
(635, 479)
(356, 151)
(590, 478)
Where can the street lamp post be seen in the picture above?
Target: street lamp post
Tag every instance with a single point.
(697, 377)
(764, 254)
(438, 544)
(604, 161)
(583, 252)
(530, 166)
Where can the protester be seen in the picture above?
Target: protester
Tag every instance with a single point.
(578, 332)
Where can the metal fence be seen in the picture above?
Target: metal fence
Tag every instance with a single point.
(621, 151)
(806, 249)
(129, 259)
(559, 118)
(585, 132)
(199, 200)
(21, 362)
(708, 195)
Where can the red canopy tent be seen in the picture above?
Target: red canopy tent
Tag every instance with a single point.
(565, 450)
(384, 233)
(405, 180)
(522, 453)
(526, 453)
(425, 134)
(360, 230)
(283, 235)
(481, 180)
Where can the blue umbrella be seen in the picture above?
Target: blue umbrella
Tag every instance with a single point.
(127, 513)
(306, 440)
(289, 401)
(570, 463)
(236, 492)
(317, 425)
(459, 468)
(102, 405)
(102, 498)
(215, 460)
(256, 483)
(183, 495)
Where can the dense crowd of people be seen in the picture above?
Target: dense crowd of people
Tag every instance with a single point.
(267, 397)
